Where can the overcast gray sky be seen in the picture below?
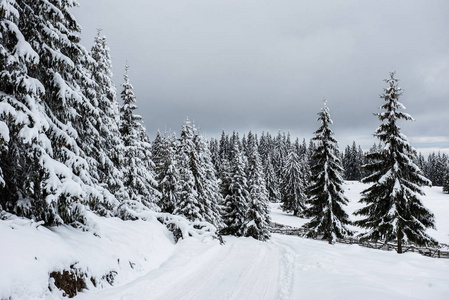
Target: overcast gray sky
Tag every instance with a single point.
(266, 65)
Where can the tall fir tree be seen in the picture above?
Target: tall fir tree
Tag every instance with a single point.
(258, 210)
(53, 84)
(22, 120)
(207, 183)
(200, 196)
(236, 195)
(271, 181)
(393, 208)
(167, 171)
(352, 163)
(109, 142)
(293, 186)
(140, 187)
(187, 204)
(446, 182)
(325, 193)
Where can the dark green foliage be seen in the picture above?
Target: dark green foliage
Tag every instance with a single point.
(293, 186)
(108, 144)
(353, 162)
(258, 211)
(44, 85)
(236, 195)
(446, 182)
(325, 192)
(138, 168)
(167, 172)
(393, 208)
(199, 191)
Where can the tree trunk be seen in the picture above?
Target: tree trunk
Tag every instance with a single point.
(399, 241)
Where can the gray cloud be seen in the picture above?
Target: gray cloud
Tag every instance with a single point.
(266, 65)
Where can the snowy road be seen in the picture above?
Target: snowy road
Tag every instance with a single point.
(286, 267)
(289, 267)
(241, 269)
(151, 266)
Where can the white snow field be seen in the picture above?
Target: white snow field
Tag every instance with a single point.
(151, 266)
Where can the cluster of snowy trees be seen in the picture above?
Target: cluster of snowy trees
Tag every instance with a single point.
(65, 142)
(67, 145)
(227, 190)
(435, 167)
(393, 210)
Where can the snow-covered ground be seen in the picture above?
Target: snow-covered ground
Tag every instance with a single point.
(151, 266)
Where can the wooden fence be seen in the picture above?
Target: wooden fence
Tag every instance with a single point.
(440, 252)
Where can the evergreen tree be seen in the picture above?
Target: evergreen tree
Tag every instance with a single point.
(207, 183)
(310, 152)
(139, 183)
(236, 195)
(47, 80)
(293, 187)
(215, 154)
(258, 211)
(446, 182)
(279, 152)
(109, 142)
(167, 172)
(352, 163)
(421, 163)
(271, 181)
(200, 196)
(325, 193)
(393, 209)
(303, 149)
(22, 121)
(224, 150)
(438, 167)
(187, 205)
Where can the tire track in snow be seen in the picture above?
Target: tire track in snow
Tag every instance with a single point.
(241, 269)
(246, 270)
(286, 271)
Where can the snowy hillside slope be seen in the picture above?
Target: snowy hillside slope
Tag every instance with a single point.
(120, 249)
(150, 265)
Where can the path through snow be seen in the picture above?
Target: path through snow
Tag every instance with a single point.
(290, 267)
(287, 267)
(241, 269)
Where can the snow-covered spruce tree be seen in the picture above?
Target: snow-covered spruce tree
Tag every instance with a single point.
(52, 84)
(200, 195)
(20, 122)
(271, 181)
(258, 211)
(187, 205)
(393, 208)
(293, 186)
(325, 192)
(223, 147)
(236, 195)
(139, 183)
(446, 182)
(215, 153)
(109, 142)
(208, 185)
(352, 163)
(166, 169)
(279, 152)
(437, 168)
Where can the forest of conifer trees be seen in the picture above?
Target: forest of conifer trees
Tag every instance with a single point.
(68, 145)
